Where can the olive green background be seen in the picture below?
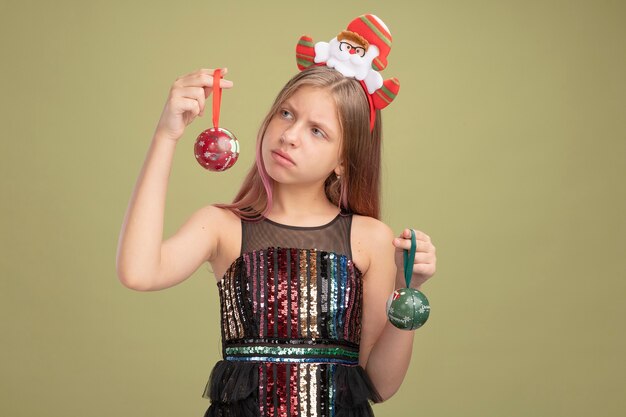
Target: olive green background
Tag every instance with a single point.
(506, 144)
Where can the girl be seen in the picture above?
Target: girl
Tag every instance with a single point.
(304, 266)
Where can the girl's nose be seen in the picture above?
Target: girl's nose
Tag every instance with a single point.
(290, 136)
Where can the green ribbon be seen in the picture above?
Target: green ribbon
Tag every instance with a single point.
(409, 258)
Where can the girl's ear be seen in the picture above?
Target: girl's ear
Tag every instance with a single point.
(339, 170)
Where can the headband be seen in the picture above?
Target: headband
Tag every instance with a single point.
(358, 52)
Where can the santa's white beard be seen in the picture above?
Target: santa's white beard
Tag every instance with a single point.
(356, 64)
(339, 55)
(358, 61)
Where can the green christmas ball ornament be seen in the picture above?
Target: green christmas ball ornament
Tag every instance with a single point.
(408, 308)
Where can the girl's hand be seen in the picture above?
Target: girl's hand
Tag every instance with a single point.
(186, 100)
(425, 259)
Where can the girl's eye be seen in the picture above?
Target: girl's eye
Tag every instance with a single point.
(285, 113)
(318, 132)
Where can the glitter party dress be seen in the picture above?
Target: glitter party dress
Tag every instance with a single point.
(291, 308)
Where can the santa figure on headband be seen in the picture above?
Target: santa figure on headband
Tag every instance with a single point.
(360, 51)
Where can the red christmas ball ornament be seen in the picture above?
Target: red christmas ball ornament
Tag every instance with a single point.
(216, 148)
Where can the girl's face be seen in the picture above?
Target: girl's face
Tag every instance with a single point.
(306, 131)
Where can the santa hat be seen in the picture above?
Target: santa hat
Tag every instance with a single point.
(375, 32)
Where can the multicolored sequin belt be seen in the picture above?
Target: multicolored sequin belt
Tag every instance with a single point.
(306, 351)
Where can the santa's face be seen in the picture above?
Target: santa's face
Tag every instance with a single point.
(352, 48)
(350, 51)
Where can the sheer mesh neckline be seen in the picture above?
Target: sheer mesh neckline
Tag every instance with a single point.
(240, 258)
(287, 226)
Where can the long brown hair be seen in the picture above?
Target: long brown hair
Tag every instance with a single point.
(358, 189)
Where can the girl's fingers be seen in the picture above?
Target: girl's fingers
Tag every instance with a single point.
(422, 258)
(198, 85)
(194, 93)
(203, 79)
(421, 244)
(210, 71)
(206, 80)
(189, 105)
(406, 233)
(208, 86)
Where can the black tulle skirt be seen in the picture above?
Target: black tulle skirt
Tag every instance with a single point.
(233, 389)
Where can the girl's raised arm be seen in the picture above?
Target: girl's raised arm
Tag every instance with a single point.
(144, 262)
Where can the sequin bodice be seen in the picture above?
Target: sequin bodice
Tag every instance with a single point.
(291, 325)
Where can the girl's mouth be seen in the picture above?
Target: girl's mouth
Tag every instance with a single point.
(281, 159)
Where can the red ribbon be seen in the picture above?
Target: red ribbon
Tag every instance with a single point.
(217, 96)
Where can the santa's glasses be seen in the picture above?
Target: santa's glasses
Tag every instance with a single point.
(345, 46)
